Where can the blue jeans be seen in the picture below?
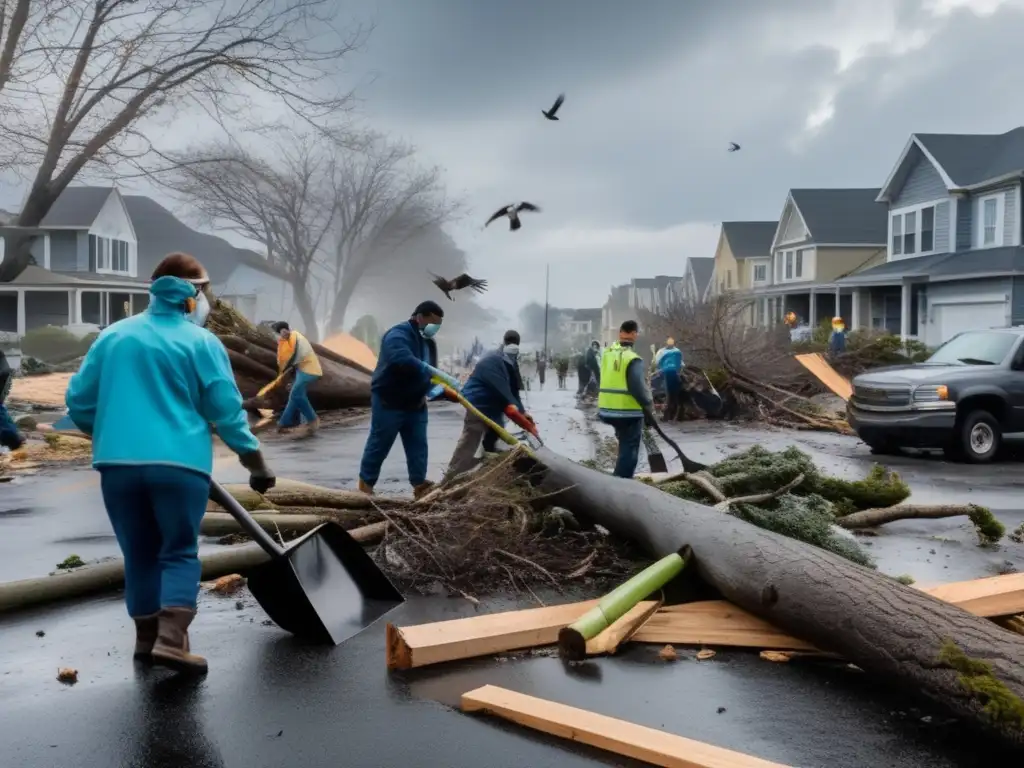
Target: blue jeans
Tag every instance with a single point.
(8, 429)
(298, 401)
(155, 512)
(386, 424)
(629, 432)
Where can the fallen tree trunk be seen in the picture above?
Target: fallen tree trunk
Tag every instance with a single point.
(293, 493)
(961, 661)
(108, 576)
(223, 524)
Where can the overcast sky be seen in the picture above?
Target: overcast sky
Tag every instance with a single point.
(635, 176)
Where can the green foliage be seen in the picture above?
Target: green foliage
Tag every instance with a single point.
(881, 488)
(368, 332)
(980, 682)
(905, 579)
(70, 562)
(55, 345)
(990, 530)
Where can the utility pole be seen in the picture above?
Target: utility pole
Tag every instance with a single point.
(547, 285)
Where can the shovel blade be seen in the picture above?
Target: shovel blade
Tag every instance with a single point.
(325, 588)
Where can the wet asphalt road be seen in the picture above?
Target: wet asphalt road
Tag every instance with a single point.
(270, 701)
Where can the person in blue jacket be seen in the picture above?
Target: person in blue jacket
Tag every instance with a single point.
(493, 389)
(148, 393)
(10, 437)
(399, 389)
(670, 362)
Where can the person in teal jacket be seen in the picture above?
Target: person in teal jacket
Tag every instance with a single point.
(149, 392)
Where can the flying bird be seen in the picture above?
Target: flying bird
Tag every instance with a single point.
(733, 146)
(551, 113)
(512, 211)
(458, 283)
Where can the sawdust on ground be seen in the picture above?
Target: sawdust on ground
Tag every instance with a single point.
(46, 390)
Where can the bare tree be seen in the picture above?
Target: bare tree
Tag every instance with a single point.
(382, 199)
(285, 205)
(82, 78)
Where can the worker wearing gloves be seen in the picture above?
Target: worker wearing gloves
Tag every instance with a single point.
(624, 400)
(493, 390)
(399, 391)
(147, 393)
(9, 435)
(294, 352)
(670, 362)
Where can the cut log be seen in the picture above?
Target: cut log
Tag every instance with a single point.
(902, 635)
(715, 622)
(608, 733)
(423, 644)
(990, 597)
(292, 493)
(624, 629)
(222, 524)
(107, 576)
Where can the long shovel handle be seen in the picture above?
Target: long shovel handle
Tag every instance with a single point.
(220, 496)
(689, 465)
(499, 430)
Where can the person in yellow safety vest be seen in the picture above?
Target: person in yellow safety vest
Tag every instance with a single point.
(624, 400)
(295, 352)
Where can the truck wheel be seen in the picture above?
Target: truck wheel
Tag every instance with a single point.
(978, 437)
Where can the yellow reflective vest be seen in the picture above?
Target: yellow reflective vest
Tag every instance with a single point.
(298, 347)
(613, 398)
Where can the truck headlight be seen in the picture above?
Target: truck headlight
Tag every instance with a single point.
(931, 393)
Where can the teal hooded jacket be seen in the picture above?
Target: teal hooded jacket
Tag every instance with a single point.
(152, 386)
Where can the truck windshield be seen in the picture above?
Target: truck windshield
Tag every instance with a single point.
(975, 348)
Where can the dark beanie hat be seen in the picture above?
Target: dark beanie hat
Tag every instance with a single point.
(428, 308)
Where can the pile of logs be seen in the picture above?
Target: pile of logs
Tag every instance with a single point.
(253, 354)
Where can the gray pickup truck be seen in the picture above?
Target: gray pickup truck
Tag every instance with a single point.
(965, 399)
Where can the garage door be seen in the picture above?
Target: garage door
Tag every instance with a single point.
(954, 318)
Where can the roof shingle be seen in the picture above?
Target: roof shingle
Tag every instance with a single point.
(750, 239)
(843, 216)
(77, 207)
(970, 159)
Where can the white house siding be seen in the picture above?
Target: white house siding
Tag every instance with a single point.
(259, 296)
(795, 229)
(964, 305)
(113, 222)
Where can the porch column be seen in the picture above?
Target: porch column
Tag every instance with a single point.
(855, 314)
(812, 309)
(905, 304)
(78, 305)
(21, 313)
(839, 303)
(765, 317)
(131, 304)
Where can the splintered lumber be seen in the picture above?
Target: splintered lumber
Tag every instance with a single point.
(715, 622)
(622, 630)
(423, 644)
(990, 597)
(572, 640)
(608, 733)
(826, 374)
(902, 635)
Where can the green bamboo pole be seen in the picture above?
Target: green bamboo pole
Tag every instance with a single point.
(572, 640)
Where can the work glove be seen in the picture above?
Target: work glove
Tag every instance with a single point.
(523, 420)
(447, 378)
(261, 479)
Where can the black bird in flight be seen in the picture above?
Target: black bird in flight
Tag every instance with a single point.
(551, 113)
(458, 283)
(512, 211)
(733, 146)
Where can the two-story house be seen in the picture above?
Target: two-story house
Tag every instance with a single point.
(822, 236)
(742, 261)
(954, 260)
(651, 294)
(86, 265)
(692, 287)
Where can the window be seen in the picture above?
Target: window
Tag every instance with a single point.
(990, 215)
(799, 272)
(913, 232)
(789, 265)
(119, 261)
(93, 253)
(760, 273)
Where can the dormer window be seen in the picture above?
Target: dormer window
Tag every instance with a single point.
(913, 231)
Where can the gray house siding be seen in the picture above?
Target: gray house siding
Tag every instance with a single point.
(1010, 209)
(1017, 302)
(923, 184)
(64, 251)
(942, 227)
(1010, 215)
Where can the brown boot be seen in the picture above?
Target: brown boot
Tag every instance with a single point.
(146, 628)
(171, 649)
(365, 487)
(422, 489)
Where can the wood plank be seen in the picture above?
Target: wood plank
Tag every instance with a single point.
(423, 644)
(826, 374)
(623, 629)
(715, 622)
(989, 597)
(608, 733)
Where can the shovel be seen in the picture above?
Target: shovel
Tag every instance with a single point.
(655, 458)
(322, 587)
(532, 441)
(254, 413)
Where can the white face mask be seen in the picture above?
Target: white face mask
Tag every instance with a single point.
(512, 350)
(200, 314)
